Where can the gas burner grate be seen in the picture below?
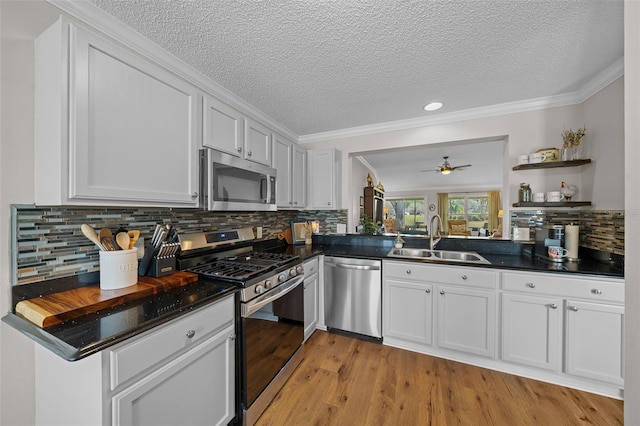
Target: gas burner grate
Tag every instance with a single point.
(231, 270)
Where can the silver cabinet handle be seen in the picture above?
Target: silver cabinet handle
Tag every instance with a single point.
(191, 333)
(328, 203)
(441, 291)
(552, 306)
(194, 195)
(428, 290)
(295, 202)
(530, 285)
(596, 291)
(408, 271)
(464, 277)
(239, 149)
(573, 308)
(249, 153)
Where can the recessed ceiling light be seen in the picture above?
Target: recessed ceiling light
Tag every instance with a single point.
(433, 106)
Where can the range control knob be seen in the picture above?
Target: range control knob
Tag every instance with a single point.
(268, 284)
(281, 277)
(293, 272)
(299, 269)
(259, 289)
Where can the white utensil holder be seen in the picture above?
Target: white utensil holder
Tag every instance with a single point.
(118, 269)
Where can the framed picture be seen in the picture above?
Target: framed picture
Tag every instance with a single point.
(298, 232)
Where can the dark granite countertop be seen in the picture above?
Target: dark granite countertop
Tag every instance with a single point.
(76, 339)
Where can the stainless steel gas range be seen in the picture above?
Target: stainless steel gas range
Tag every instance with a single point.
(271, 326)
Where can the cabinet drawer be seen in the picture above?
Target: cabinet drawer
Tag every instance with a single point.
(476, 277)
(584, 287)
(311, 266)
(132, 358)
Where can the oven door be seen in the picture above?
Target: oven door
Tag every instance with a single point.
(272, 331)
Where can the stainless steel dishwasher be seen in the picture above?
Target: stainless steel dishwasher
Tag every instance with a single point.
(353, 295)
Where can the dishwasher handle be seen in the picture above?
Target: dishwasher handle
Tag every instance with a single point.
(351, 266)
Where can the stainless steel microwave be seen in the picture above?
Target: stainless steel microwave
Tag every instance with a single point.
(232, 183)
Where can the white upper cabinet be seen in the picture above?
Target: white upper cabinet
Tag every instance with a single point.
(291, 163)
(257, 142)
(222, 127)
(228, 130)
(111, 127)
(325, 168)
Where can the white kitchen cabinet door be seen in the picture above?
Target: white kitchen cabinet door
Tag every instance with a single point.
(299, 177)
(257, 142)
(531, 330)
(222, 127)
(407, 311)
(594, 341)
(466, 320)
(196, 388)
(310, 305)
(282, 161)
(132, 128)
(324, 182)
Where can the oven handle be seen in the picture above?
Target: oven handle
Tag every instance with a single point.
(261, 301)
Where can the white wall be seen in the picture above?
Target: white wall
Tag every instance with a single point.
(632, 206)
(20, 22)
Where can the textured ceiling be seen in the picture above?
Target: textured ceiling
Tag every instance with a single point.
(317, 66)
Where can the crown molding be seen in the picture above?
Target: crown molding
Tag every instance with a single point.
(91, 15)
(603, 79)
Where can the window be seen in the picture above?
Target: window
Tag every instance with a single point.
(409, 214)
(474, 208)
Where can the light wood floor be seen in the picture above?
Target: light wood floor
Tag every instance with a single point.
(346, 381)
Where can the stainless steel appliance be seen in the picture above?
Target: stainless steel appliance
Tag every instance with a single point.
(547, 236)
(353, 295)
(271, 328)
(232, 183)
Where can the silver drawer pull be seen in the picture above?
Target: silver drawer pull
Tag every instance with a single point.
(596, 291)
(428, 290)
(552, 306)
(191, 333)
(194, 195)
(408, 271)
(464, 277)
(530, 285)
(573, 308)
(442, 292)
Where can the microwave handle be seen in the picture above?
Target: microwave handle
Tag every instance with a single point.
(264, 188)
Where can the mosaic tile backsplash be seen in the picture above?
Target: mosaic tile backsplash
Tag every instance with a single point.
(599, 230)
(47, 242)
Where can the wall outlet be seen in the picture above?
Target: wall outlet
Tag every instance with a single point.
(258, 232)
(341, 228)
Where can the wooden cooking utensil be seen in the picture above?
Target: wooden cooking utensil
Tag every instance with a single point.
(134, 234)
(123, 240)
(91, 235)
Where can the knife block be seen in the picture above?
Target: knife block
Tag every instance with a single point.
(162, 266)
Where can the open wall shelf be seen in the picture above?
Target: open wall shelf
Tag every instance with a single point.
(554, 204)
(552, 164)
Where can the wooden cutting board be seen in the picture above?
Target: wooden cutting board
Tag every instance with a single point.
(58, 307)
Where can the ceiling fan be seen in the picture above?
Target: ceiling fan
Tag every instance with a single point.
(446, 167)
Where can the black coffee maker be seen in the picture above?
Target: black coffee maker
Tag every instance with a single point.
(546, 236)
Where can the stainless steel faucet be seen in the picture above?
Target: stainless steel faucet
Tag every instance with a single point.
(432, 244)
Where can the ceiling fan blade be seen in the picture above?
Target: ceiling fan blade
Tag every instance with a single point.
(431, 170)
(460, 167)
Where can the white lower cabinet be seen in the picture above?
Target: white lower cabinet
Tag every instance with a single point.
(562, 328)
(594, 341)
(408, 311)
(462, 315)
(182, 372)
(466, 320)
(531, 330)
(311, 287)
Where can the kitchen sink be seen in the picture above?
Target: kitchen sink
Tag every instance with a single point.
(438, 255)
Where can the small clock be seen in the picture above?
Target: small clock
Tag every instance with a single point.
(432, 207)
